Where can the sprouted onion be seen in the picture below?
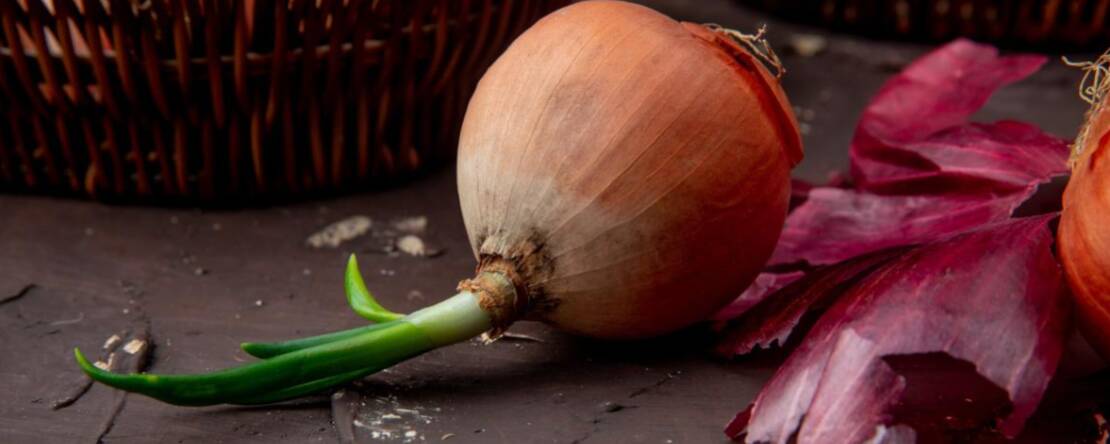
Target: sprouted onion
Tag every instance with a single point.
(621, 175)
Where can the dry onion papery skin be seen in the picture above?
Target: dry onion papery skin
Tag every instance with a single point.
(1084, 233)
(629, 172)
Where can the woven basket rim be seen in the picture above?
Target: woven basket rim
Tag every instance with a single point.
(293, 54)
(250, 56)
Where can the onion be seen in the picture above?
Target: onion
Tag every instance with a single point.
(621, 175)
(1084, 234)
(629, 171)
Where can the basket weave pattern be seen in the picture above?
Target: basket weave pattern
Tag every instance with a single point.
(213, 100)
(1070, 23)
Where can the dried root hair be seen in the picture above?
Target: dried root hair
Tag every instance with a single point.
(1093, 89)
(756, 44)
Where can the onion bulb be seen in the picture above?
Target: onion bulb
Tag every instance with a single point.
(1084, 234)
(629, 171)
(621, 175)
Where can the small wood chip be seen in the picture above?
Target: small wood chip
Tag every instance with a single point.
(338, 232)
(446, 436)
(106, 365)
(111, 341)
(412, 245)
(133, 346)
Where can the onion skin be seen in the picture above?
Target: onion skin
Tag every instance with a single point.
(630, 173)
(1084, 233)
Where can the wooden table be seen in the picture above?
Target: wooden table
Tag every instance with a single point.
(202, 281)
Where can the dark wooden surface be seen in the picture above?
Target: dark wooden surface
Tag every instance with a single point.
(99, 270)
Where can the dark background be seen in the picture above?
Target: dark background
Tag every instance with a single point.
(196, 278)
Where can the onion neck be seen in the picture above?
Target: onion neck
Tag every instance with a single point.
(497, 295)
(1094, 89)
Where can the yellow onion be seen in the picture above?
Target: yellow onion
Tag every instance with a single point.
(1084, 234)
(630, 172)
(621, 175)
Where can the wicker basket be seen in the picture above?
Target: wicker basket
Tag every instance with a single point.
(210, 101)
(1073, 24)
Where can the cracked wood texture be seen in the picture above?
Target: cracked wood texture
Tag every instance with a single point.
(207, 280)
